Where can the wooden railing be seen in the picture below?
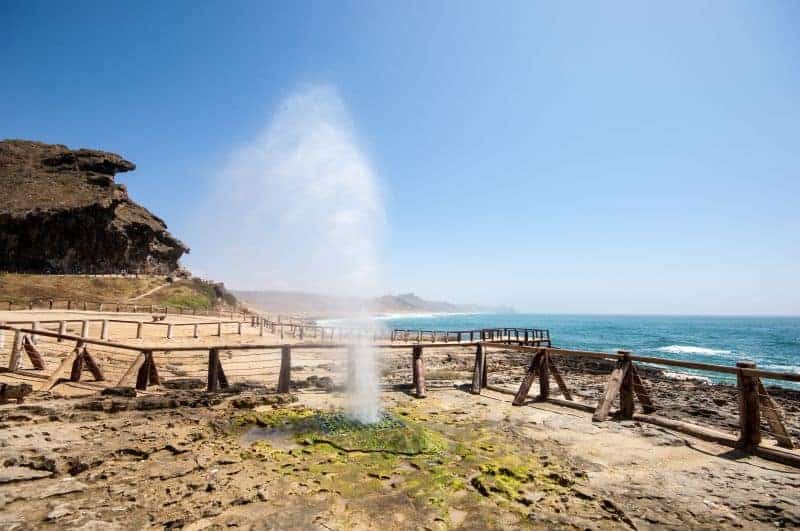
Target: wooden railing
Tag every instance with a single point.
(522, 336)
(626, 379)
(94, 306)
(625, 383)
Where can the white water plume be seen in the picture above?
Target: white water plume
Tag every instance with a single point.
(299, 208)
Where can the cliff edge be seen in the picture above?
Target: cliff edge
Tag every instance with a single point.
(62, 212)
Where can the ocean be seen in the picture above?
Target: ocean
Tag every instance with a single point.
(771, 342)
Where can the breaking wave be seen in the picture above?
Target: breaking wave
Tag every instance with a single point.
(688, 349)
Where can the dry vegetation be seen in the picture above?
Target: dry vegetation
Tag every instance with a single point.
(192, 293)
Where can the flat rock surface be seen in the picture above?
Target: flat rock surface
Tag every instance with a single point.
(499, 467)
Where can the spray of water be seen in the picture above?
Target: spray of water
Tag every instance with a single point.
(299, 208)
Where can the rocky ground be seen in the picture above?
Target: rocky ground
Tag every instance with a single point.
(176, 457)
(676, 396)
(184, 459)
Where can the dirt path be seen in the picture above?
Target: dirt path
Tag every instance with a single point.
(149, 292)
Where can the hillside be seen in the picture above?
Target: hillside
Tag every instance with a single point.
(325, 305)
(185, 293)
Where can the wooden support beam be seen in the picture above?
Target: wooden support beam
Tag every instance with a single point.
(16, 349)
(92, 365)
(626, 392)
(749, 410)
(560, 381)
(62, 328)
(530, 376)
(62, 368)
(641, 392)
(132, 369)
(544, 377)
(419, 370)
(36, 358)
(285, 375)
(143, 376)
(774, 418)
(612, 390)
(213, 370)
(477, 374)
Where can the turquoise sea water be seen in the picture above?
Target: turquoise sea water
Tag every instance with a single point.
(772, 342)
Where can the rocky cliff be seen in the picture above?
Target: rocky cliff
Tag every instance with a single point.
(62, 212)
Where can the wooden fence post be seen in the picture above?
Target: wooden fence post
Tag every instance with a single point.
(626, 387)
(219, 328)
(213, 371)
(285, 375)
(85, 328)
(169, 331)
(104, 329)
(749, 410)
(62, 327)
(194, 331)
(477, 373)
(419, 370)
(139, 326)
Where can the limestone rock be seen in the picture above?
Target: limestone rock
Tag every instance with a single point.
(62, 212)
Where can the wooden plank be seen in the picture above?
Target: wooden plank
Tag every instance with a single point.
(61, 369)
(16, 348)
(527, 382)
(92, 366)
(544, 377)
(223, 380)
(749, 410)
(612, 390)
(36, 358)
(626, 392)
(641, 392)
(773, 415)
(560, 381)
(132, 369)
(152, 374)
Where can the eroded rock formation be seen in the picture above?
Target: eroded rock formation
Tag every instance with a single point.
(62, 212)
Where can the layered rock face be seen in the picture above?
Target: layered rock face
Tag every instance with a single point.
(62, 212)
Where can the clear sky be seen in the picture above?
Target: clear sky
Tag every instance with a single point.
(557, 156)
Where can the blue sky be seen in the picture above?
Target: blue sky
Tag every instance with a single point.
(618, 157)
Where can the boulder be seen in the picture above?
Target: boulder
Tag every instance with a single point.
(62, 212)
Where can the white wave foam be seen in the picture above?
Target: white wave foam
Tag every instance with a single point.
(781, 368)
(689, 349)
(682, 376)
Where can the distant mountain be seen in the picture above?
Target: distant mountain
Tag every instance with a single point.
(315, 305)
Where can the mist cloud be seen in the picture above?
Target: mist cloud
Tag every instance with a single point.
(298, 207)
